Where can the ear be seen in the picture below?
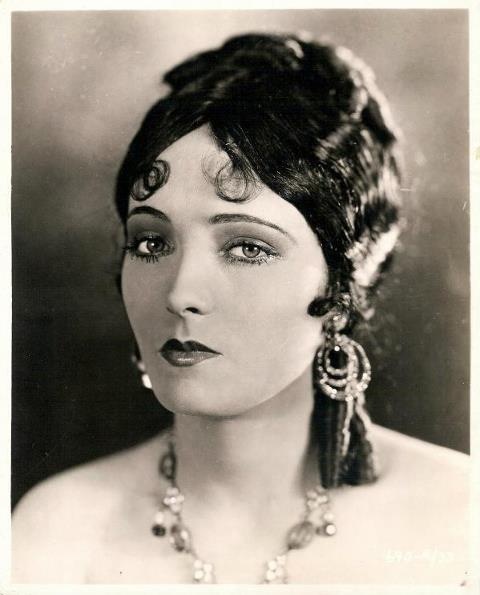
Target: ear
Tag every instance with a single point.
(320, 306)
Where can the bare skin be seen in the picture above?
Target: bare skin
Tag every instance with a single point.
(92, 525)
(238, 277)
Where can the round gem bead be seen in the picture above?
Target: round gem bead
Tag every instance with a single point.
(330, 529)
(202, 571)
(208, 578)
(272, 565)
(159, 517)
(271, 575)
(167, 466)
(158, 530)
(175, 507)
(275, 572)
(328, 517)
(180, 537)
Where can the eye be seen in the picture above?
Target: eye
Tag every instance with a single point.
(151, 246)
(246, 251)
(148, 247)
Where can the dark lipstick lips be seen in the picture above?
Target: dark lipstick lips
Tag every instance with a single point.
(187, 346)
(187, 353)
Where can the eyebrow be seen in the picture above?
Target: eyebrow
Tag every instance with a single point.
(215, 219)
(149, 211)
(240, 217)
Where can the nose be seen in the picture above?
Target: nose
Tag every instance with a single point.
(191, 288)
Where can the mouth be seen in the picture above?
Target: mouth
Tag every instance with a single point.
(187, 353)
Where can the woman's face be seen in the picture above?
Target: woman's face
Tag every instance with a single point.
(236, 277)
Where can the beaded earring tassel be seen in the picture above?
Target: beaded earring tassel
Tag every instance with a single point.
(360, 464)
(340, 420)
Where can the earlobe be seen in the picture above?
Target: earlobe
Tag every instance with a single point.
(320, 306)
(331, 306)
(138, 362)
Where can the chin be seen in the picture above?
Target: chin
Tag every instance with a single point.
(188, 397)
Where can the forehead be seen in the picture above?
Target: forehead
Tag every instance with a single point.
(194, 160)
(196, 147)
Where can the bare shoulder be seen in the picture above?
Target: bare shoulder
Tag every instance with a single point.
(62, 517)
(419, 507)
(410, 527)
(429, 481)
(405, 458)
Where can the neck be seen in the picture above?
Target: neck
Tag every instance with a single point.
(256, 458)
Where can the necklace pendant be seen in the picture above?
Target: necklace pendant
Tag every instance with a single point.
(276, 571)
(203, 572)
(300, 535)
(173, 500)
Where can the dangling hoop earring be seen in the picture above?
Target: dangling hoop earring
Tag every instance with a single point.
(137, 360)
(343, 373)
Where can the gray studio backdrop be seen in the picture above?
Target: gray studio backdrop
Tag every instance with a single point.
(82, 82)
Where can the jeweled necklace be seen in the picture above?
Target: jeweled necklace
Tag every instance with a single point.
(316, 519)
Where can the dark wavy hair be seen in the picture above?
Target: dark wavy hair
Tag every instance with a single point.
(307, 120)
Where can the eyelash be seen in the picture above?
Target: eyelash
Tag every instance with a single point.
(269, 252)
(131, 248)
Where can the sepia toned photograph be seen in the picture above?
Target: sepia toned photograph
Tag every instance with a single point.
(241, 298)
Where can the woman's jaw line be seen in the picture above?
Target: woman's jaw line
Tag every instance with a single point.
(256, 450)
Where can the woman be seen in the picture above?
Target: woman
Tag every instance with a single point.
(260, 208)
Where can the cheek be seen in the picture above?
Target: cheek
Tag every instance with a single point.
(142, 297)
(271, 318)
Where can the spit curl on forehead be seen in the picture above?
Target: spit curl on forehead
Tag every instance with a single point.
(232, 183)
(225, 169)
